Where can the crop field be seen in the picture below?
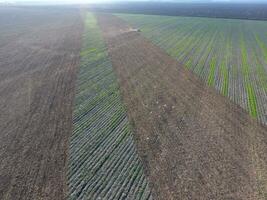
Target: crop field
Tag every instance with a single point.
(93, 108)
(228, 54)
(103, 161)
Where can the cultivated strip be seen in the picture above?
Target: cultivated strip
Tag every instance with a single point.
(103, 162)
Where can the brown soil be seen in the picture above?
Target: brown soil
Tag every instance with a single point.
(194, 143)
(39, 55)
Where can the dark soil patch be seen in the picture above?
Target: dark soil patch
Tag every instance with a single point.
(39, 55)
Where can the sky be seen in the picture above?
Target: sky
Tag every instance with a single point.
(103, 1)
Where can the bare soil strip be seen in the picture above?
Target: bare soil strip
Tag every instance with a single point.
(39, 54)
(194, 143)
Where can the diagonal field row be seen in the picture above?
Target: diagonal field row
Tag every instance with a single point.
(103, 162)
(194, 143)
(230, 55)
(39, 55)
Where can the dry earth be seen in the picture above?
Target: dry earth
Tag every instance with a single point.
(39, 54)
(194, 143)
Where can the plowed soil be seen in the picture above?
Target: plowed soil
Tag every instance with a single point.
(194, 143)
(39, 54)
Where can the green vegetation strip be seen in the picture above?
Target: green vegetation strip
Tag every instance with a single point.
(228, 54)
(103, 162)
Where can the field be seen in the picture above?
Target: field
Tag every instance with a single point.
(91, 108)
(39, 55)
(194, 143)
(230, 55)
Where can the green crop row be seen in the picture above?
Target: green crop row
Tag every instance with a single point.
(103, 162)
(211, 79)
(225, 79)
